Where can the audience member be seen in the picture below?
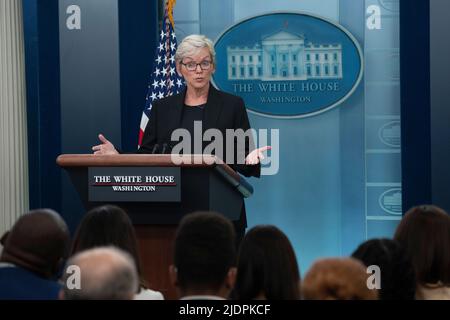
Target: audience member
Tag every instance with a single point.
(424, 232)
(105, 273)
(33, 254)
(398, 280)
(204, 257)
(109, 225)
(337, 279)
(267, 266)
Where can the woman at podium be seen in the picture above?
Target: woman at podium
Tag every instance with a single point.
(199, 105)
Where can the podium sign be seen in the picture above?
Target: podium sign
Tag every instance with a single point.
(134, 184)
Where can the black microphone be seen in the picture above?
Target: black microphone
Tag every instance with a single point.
(155, 148)
(164, 148)
(170, 147)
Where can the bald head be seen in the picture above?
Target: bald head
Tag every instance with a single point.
(37, 242)
(106, 273)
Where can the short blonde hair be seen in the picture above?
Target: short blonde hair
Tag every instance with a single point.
(192, 44)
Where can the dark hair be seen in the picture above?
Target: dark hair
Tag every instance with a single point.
(39, 242)
(398, 280)
(204, 250)
(424, 231)
(108, 225)
(267, 264)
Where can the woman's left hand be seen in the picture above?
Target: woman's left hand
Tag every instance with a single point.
(256, 155)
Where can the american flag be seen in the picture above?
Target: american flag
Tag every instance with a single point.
(164, 80)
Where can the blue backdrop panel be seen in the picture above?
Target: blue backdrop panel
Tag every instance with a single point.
(43, 112)
(415, 106)
(90, 84)
(440, 102)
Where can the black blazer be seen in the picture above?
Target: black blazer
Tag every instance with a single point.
(222, 111)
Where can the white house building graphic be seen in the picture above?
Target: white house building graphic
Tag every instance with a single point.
(285, 56)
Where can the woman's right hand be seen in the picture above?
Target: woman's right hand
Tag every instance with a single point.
(105, 148)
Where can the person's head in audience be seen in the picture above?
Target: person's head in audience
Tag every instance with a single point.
(38, 242)
(107, 225)
(105, 273)
(204, 256)
(424, 232)
(337, 279)
(398, 280)
(267, 266)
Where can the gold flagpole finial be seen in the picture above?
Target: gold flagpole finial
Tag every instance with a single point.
(170, 5)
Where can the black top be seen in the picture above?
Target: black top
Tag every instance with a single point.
(222, 111)
(189, 116)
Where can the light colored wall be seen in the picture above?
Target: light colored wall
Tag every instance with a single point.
(13, 125)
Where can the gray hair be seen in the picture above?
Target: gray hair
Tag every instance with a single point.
(106, 273)
(192, 44)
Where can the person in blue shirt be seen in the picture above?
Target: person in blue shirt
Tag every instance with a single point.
(33, 253)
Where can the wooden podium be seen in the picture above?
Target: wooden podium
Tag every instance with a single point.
(205, 183)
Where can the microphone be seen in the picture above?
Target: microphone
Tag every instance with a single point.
(155, 148)
(164, 148)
